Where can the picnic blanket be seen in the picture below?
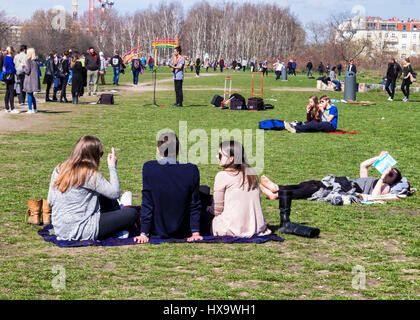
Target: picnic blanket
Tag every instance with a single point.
(343, 132)
(48, 234)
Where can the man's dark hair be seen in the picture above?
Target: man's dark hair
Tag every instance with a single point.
(23, 48)
(91, 48)
(168, 145)
(178, 49)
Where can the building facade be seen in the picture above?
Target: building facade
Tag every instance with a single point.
(400, 38)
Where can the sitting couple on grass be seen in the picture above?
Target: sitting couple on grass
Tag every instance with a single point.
(321, 116)
(85, 207)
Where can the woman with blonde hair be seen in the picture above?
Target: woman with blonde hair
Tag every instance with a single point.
(83, 202)
(236, 208)
(32, 82)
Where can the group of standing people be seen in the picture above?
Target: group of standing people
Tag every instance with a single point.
(21, 74)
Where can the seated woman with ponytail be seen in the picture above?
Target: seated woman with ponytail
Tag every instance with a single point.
(329, 117)
(84, 204)
(237, 209)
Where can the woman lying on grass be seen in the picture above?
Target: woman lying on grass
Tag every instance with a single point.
(366, 184)
(329, 117)
(237, 206)
(83, 202)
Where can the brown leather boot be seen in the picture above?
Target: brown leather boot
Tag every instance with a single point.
(34, 212)
(46, 212)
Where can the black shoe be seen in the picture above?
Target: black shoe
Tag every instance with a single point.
(175, 105)
(54, 99)
(47, 99)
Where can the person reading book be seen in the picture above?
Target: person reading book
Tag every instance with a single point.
(368, 185)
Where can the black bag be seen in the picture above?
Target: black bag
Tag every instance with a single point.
(268, 106)
(256, 104)
(9, 77)
(237, 102)
(106, 99)
(217, 101)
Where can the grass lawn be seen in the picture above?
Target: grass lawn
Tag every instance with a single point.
(383, 239)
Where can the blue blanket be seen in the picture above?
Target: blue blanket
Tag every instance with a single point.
(51, 237)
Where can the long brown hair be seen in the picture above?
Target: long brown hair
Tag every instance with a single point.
(82, 164)
(315, 108)
(76, 56)
(240, 163)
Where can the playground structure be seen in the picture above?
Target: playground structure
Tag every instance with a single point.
(164, 44)
(129, 55)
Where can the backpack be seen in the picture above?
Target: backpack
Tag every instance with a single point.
(272, 125)
(256, 104)
(106, 99)
(237, 102)
(217, 101)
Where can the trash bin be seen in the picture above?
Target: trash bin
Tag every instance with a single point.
(350, 86)
(283, 74)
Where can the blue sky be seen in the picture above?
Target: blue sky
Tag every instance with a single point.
(305, 10)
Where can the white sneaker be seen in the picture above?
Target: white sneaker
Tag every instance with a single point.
(126, 199)
(123, 234)
(34, 111)
(14, 111)
(29, 111)
(6, 111)
(390, 99)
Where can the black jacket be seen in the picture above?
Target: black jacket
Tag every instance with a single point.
(394, 71)
(352, 68)
(92, 62)
(50, 67)
(116, 61)
(1, 62)
(309, 65)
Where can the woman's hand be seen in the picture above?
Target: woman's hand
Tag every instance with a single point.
(112, 158)
(308, 108)
(383, 153)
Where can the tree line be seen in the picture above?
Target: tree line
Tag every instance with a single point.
(230, 31)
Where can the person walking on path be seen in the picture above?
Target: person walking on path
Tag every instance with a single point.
(20, 61)
(117, 64)
(10, 71)
(136, 69)
(339, 69)
(221, 64)
(32, 81)
(392, 74)
(407, 79)
(93, 64)
(309, 67)
(178, 70)
(197, 67)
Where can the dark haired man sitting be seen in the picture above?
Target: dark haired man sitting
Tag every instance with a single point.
(171, 205)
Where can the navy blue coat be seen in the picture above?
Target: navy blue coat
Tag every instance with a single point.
(171, 204)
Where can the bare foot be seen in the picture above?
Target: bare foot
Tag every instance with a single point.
(268, 193)
(269, 184)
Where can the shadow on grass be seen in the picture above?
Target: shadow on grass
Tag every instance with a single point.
(53, 112)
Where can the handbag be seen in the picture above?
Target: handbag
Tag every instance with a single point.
(8, 77)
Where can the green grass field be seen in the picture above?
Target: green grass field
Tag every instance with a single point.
(383, 239)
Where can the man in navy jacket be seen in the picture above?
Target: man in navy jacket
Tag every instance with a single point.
(352, 67)
(171, 206)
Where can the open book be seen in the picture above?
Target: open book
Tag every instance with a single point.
(384, 163)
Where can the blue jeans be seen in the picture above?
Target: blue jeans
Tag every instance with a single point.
(309, 72)
(116, 75)
(150, 67)
(70, 76)
(136, 76)
(31, 100)
(337, 84)
(323, 126)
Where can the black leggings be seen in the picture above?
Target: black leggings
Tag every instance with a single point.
(9, 97)
(114, 220)
(178, 92)
(405, 87)
(303, 190)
